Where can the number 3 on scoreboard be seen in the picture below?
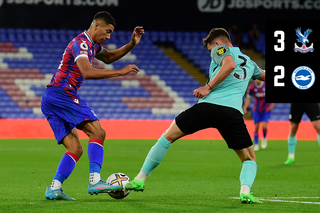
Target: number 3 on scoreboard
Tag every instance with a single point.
(280, 40)
(279, 76)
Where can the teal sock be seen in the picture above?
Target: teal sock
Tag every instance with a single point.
(319, 139)
(292, 142)
(248, 172)
(155, 155)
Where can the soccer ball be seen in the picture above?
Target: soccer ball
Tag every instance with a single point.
(119, 179)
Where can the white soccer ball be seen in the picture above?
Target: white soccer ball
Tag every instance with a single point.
(119, 179)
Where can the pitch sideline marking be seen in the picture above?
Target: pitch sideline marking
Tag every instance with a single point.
(276, 199)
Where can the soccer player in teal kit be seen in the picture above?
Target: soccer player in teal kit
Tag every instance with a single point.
(219, 106)
(65, 110)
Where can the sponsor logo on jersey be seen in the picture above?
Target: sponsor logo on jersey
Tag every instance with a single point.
(84, 45)
(220, 51)
(303, 38)
(303, 77)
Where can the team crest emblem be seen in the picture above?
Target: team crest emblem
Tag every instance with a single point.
(220, 51)
(303, 77)
(303, 38)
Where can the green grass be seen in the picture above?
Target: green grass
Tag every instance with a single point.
(195, 176)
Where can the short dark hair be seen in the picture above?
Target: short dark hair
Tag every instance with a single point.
(216, 33)
(106, 17)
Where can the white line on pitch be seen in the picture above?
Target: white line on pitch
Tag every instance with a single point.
(292, 197)
(291, 201)
(286, 201)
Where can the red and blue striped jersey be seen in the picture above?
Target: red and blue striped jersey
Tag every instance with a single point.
(68, 75)
(258, 92)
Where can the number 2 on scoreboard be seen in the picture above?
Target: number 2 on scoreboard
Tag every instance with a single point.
(279, 76)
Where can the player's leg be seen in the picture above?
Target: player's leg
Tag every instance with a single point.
(155, 156)
(96, 134)
(237, 137)
(256, 136)
(265, 120)
(313, 112)
(66, 166)
(316, 125)
(296, 112)
(292, 142)
(264, 135)
(256, 121)
(187, 122)
(248, 174)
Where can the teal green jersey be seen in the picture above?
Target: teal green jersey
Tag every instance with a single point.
(231, 91)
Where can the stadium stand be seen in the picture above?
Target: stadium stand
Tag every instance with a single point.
(29, 57)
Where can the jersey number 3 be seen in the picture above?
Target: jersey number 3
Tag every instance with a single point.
(241, 66)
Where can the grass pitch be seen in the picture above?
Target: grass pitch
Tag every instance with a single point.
(195, 176)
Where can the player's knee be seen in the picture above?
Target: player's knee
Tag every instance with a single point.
(100, 134)
(79, 151)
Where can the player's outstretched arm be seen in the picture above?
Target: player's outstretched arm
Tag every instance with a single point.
(114, 55)
(89, 72)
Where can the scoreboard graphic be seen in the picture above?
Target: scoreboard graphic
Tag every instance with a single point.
(293, 61)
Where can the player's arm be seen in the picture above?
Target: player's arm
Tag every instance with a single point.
(227, 66)
(271, 107)
(262, 76)
(89, 72)
(114, 55)
(246, 104)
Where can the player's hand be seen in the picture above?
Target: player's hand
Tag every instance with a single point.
(136, 35)
(271, 107)
(201, 92)
(244, 110)
(129, 68)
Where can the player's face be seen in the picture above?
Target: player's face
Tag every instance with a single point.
(103, 32)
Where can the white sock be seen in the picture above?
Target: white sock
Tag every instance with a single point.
(245, 189)
(94, 178)
(55, 185)
(141, 176)
(291, 156)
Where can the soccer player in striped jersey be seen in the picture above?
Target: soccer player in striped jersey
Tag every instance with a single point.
(220, 107)
(261, 111)
(66, 111)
